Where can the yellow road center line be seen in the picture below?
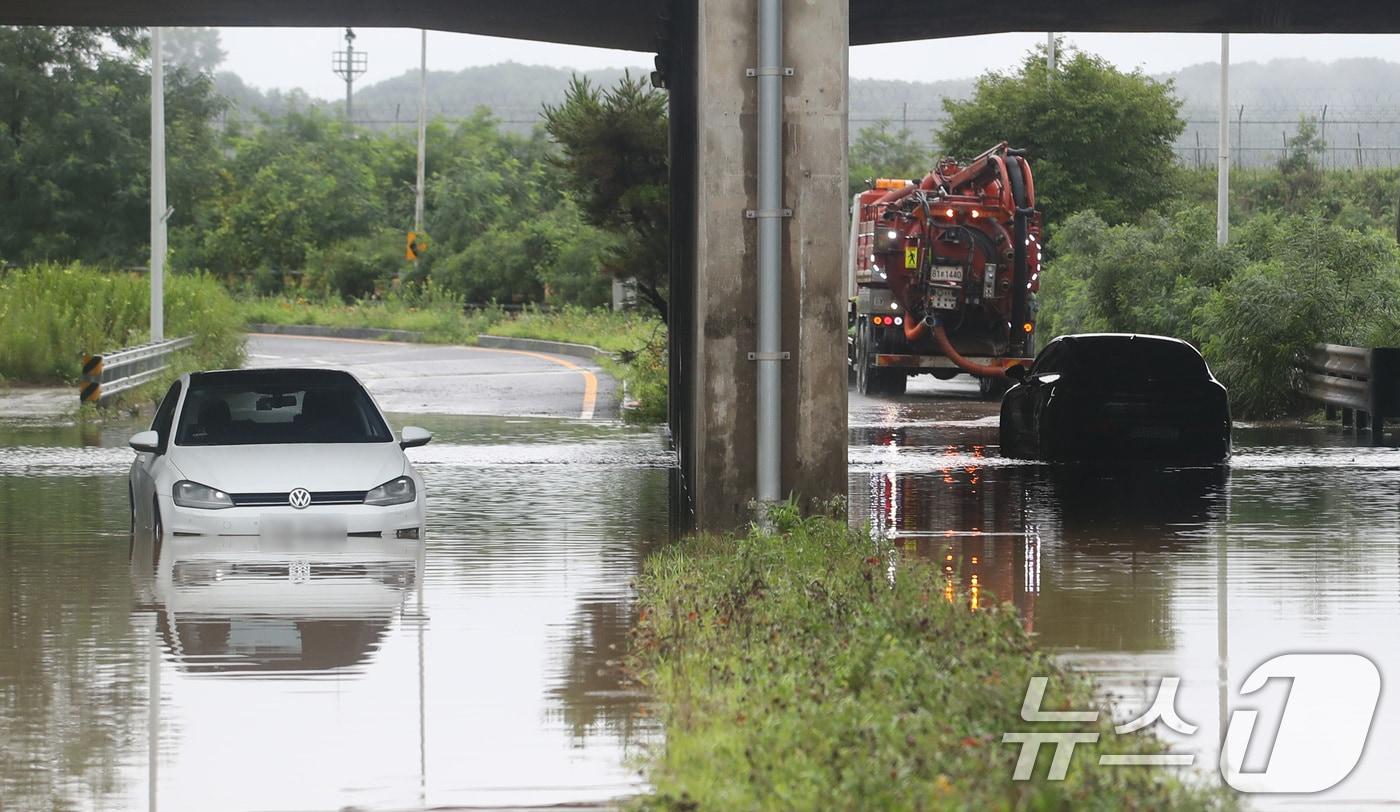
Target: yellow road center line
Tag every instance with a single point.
(590, 381)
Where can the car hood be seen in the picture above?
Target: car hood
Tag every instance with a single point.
(279, 468)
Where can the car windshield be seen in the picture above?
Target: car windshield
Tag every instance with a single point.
(277, 407)
(1136, 360)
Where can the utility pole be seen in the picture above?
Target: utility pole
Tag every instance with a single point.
(158, 208)
(349, 64)
(1050, 54)
(422, 131)
(1222, 192)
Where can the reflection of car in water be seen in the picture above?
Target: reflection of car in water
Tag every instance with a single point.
(265, 452)
(1112, 396)
(967, 519)
(257, 605)
(1033, 536)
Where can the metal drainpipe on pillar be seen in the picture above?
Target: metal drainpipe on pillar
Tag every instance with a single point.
(769, 215)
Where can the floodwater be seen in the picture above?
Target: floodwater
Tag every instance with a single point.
(1138, 574)
(479, 669)
(475, 669)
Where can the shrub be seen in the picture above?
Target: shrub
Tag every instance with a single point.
(1146, 277)
(357, 268)
(1284, 283)
(51, 314)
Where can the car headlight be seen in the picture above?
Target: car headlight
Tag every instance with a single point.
(394, 492)
(194, 495)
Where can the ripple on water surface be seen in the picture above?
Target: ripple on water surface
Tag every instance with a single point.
(1137, 573)
(477, 669)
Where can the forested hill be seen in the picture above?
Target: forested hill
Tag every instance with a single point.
(1360, 95)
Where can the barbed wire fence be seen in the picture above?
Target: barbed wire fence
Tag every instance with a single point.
(1355, 137)
(1360, 133)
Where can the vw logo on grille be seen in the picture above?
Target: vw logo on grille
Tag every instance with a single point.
(299, 498)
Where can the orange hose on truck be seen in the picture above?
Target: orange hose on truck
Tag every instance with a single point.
(945, 270)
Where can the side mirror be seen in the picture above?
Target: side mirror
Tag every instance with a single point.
(1016, 373)
(147, 442)
(412, 437)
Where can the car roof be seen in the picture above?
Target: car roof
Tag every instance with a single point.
(1111, 338)
(310, 375)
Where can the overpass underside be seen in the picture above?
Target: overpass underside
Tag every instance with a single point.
(633, 24)
(706, 48)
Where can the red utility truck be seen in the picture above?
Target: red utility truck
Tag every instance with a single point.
(943, 273)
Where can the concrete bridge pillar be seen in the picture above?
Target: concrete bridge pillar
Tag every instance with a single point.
(714, 254)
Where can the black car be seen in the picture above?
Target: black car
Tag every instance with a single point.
(1119, 397)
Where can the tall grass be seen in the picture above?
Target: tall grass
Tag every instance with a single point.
(429, 309)
(808, 668)
(51, 314)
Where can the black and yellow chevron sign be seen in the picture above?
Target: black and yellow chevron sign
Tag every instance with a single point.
(417, 243)
(90, 390)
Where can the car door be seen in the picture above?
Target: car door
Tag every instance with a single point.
(143, 471)
(1024, 411)
(1039, 380)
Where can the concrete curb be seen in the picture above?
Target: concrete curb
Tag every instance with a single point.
(589, 352)
(364, 333)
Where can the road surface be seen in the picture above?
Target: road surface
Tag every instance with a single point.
(452, 380)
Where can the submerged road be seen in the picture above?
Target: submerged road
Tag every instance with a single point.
(452, 380)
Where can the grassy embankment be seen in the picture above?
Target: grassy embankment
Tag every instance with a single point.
(637, 339)
(792, 672)
(51, 314)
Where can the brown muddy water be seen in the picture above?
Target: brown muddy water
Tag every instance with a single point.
(474, 671)
(471, 670)
(1135, 574)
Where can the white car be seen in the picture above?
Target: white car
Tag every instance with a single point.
(285, 453)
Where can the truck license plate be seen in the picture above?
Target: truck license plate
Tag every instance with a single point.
(946, 273)
(944, 300)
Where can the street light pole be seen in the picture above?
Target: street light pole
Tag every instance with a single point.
(422, 130)
(158, 212)
(1222, 192)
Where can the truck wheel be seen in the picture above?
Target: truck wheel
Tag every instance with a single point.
(863, 359)
(866, 381)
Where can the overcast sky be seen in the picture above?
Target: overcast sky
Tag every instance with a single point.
(301, 57)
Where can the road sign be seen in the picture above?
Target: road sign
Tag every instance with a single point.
(415, 246)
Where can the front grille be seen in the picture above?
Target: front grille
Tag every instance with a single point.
(280, 499)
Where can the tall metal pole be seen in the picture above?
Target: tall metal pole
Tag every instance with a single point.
(422, 130)
(157, 189)
(770, 250)
(349, 77)
(1222, 194)
(1050, 53)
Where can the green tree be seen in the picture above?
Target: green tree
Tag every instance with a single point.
(880, 152)
(74, 144)
(613, 157)
(297, 185)
(197, 50)
(1300, 166)
(1097, 138)
(1254, 307)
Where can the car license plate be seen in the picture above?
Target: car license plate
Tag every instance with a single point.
(944, 300)
(291, 528)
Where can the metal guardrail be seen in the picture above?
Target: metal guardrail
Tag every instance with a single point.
(1360, 383)
(110, 373)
